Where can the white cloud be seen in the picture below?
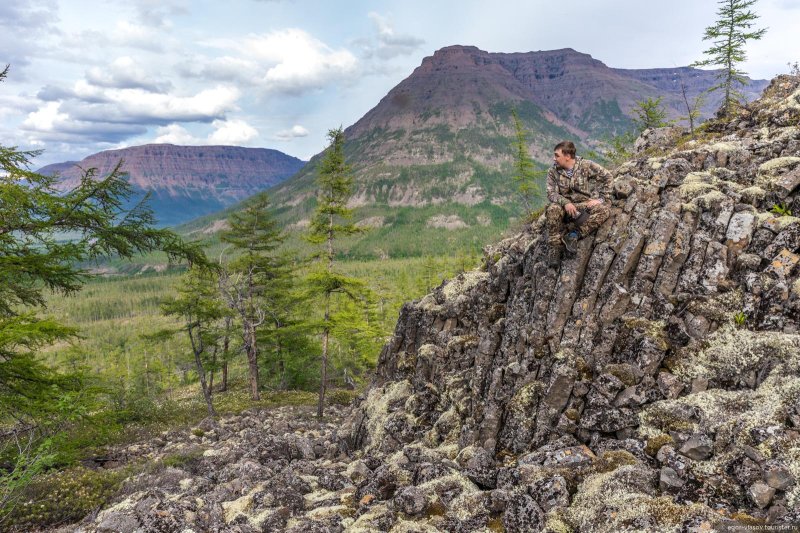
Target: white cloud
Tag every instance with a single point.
(139, 105)
(387, 43)
(45, 118)
(175, 134)
(124, 73)
(288, 61)
(292, 133)
(234, 131)
(136, 36)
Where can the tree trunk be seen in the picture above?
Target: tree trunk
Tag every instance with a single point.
(211, 372)
(225, 345)
(252, 362)
(197, 349)
(324, 377)
(323, 384)
(282, 373)
(206, 393)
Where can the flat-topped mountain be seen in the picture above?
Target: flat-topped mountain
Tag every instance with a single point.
(188, 181)
(440, 142)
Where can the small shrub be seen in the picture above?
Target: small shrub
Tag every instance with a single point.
(185, 460)
(739, 319)
(341, 396)
(782, 210)
(65, 496)
(197, 432)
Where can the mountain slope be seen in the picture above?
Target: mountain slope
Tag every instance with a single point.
(188, 181)
(440, 142)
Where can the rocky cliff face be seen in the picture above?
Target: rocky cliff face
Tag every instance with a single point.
(188, 181)
(650, 382)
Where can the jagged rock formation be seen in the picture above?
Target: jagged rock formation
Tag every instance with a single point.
(187, 181)
(651, 382)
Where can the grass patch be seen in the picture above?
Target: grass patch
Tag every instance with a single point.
(64, 497)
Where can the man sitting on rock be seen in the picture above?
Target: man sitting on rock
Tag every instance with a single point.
(579, 192)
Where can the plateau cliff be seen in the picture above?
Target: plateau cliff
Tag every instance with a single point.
(187, 181)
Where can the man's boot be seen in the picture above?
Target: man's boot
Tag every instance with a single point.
(554, 256)
(570, 241)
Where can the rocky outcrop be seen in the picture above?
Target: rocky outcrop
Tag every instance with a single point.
(651, 382)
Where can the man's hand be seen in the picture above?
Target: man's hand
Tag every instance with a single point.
(592, 203)
(571, 210)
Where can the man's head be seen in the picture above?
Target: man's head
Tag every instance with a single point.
(564, 154)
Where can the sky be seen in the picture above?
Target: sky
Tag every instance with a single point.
(88, 76)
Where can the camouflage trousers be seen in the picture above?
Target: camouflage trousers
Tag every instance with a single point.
(558, 220)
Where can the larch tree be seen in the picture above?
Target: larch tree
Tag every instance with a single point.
(255, 281)
(331, 220)
(199, 305)
(728, 36)
(525, 173)
(650, 113)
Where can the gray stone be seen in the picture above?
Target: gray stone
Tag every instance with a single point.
(118, 522)
(411, 500)
(697, 447)
(523, 514)
(669, 480)
(573, 456)
(761, 494)
(550, 493)
(478, 465)
(778, 476)
(670, 386)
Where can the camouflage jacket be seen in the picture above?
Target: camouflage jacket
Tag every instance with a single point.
(589, 180)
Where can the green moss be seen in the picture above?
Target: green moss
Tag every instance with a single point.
(656, 442)
(732, 352)
(622, 372)
(66, 496)
(463, 284)
(613, 459)
(183, 459)
(341, 396)
(612, 501)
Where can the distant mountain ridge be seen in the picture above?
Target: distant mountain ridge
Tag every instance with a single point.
(188, 181)
(442, 138)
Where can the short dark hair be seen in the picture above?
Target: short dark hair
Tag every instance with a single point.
(567, 148)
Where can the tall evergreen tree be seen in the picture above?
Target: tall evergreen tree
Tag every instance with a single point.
(36, 257)
(525, 173)
(728, 35)
(331, 220)
(254, 282)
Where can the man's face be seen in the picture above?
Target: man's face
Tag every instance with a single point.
(562, 160)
